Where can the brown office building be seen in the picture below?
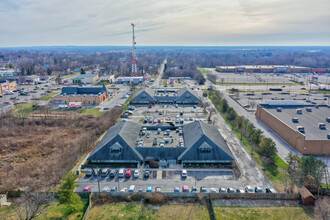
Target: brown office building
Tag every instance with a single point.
(304, 127)
(85, 95)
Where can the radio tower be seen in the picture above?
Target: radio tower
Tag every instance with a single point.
(134, 66)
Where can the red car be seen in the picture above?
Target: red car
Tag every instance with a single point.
(87, 189)
(159, 121)
(185, 188)
(128, 173)
(156, 110)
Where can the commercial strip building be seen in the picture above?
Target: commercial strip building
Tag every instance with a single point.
(128, 80)
(85, 78)
(181, 96)
(304, 127)
(263, 69)
(8, 87)
(85, 95)
(202, 144)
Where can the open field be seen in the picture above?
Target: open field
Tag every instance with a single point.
(91, 111)
(54, 211)
(31, 148)
(255, 213)
(139, 211)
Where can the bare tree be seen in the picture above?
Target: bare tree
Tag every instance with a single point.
(32, 204)
(322, 208)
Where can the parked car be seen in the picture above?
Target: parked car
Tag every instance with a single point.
(213, 190)
(240, 191)
(176, 189)
(105, 189)
(258, 190)
(89, 172)
(131, 107)
(123, 189)
(113, 172)
(113, 189)
(184, 173)
(149, 189)
(87, 189)
(140, 190)
(185, 188)
(128, 173)
(136, 173)
(194, 189)
(104, 172)
(131, 188)
(222, 190)
(249, 189)
(230, 190)
(158, 189)
(146, 174)
(203, 189)
(270, 190)
(121, 172)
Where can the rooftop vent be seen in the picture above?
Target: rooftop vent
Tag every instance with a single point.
(309, 109)
(295, 120)
(299, 111)
(279, 109)
(301, 129)
(322, 126)
(328, 119)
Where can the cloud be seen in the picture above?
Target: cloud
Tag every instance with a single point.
(162, 22)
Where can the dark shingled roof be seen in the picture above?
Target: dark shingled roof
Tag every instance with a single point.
(149, 96)
(198, 133)
(161, 152)
(84, 90)
(123, 134)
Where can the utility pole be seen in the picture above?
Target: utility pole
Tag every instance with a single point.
(134, 66)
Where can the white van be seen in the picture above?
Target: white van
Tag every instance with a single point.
(131, 188)
(121, 172)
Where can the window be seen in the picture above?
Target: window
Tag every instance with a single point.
(205, 148)
(116, 148)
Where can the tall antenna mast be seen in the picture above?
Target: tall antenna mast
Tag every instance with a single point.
(134, 66)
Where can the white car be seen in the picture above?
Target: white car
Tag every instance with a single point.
(123, 189)
(184, 173)
(136, 173)
(105, 189)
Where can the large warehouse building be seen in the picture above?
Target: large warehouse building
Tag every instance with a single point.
(181, 96)
(86, 78)
(85, 95)
(304, 127)
(263, 69)
(202, 144)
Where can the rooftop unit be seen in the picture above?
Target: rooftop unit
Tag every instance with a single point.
(299, 111)
(301, 129)
(328, 119)
(279, 109)
(295, 120)
(322, 126)
(309, 109)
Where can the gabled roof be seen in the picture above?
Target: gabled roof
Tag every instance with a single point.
(185, 94)
(122, 135)
(149, 96)
(181, 91)
(83, 90)
(199, 132)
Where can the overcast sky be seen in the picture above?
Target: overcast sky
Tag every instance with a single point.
(165, 22)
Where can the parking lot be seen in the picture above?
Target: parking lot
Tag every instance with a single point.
(167, 179)
(254, 78)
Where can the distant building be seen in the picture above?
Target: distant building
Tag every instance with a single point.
(203, 144)
(107, 78)
(181, 96)
(304, 127)
(128, 79)
(263, 69)
(306, 196)
(85, 78)
(8, 72)
(85, 95)
(8, 87)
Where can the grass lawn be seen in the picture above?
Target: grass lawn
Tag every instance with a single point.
(48, 96)
(138, 211)
(202, 70)
(255, 213)
(90, 111)
(54, 211)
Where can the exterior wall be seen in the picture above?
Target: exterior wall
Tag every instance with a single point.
(270, 69)
(11, 86)
(293, 137)
(84, 100)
